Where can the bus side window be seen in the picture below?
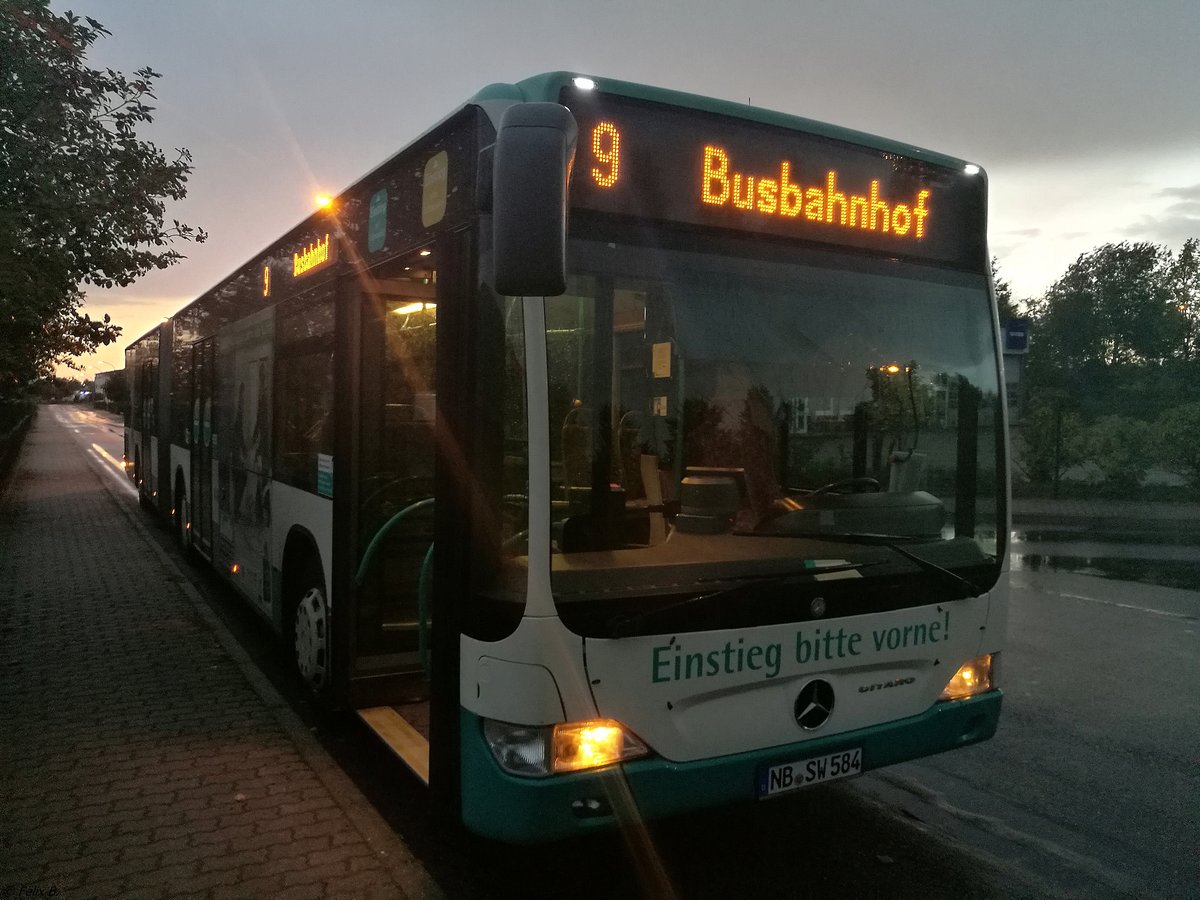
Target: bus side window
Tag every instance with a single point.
(304, 398)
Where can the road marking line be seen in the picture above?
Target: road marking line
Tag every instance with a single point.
(1133, 606)
(1146, 609)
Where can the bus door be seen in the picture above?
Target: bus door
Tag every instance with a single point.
(147, 473)
(395, 474)
(203, 375)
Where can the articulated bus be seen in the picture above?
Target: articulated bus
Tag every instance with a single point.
(614, 452)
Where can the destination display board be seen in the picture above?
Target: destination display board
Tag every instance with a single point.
(675, 164)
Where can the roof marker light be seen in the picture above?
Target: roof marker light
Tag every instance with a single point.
(584, 84)
(971, 169)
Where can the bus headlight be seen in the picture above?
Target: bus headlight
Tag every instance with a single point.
(599, 742)
(566, 747)
(973, 677)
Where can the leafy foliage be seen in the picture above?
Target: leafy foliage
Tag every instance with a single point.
(82, 197)
(1184, 280)
(1119, 448)
(1052, 441)
(1177, 437)
(1117, 333)
(1113, 365)
(116, 387)
(1005, 304)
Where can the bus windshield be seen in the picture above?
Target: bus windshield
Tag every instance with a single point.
(758, 418)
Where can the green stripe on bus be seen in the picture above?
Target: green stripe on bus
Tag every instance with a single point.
(521, 810)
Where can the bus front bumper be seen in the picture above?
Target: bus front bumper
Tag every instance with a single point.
(530, 810)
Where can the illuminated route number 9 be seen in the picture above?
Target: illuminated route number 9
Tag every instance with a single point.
(606, 151)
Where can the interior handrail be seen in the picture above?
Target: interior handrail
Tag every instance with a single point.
(372, 550)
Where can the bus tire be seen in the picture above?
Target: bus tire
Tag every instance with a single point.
(308, 631)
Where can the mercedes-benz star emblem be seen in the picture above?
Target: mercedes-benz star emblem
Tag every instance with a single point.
(814, 704)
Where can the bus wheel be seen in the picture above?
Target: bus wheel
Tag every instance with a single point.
(310, 637)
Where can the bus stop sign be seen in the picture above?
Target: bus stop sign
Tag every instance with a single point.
(1016, 336)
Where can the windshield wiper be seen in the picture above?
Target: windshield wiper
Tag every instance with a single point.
(965, 584)
(620, 625)
(890, 541)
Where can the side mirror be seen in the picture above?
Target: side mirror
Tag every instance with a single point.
(535, 148)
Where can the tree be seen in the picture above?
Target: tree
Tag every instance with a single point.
(1052, 441)
(82, 197)
(1177, 447)
(1121, 448)
(1004, 298)
(1113, 305)
(116, 387)
(1184, 279)
(1109, 328)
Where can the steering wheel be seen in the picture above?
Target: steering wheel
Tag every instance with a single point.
(852, 484)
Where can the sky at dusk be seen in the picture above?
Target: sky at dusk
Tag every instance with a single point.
(1086, 115)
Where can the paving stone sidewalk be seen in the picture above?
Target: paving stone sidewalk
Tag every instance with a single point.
(140, 756)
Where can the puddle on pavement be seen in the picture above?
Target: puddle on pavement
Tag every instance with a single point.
(1165, 573)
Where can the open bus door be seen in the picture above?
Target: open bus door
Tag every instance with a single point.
(456, 455)
(413, 412)
(394, 505)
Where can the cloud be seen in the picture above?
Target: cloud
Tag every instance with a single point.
(1174, 223)
(1185, 209)
(1187, 194)
(1024, 232)
(1172, 227)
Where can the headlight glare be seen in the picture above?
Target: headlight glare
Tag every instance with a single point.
(973, 677)
(534, 750)
(598, 742)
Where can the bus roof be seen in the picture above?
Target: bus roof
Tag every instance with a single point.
(548, 86)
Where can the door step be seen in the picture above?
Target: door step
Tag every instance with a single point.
(400, 728)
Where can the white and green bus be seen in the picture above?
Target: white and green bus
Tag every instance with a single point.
(615, 452)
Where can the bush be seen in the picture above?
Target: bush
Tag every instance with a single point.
(1177, 442)
(1121, 449)
(12, 413)
(14, 421)
(1052, 440)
